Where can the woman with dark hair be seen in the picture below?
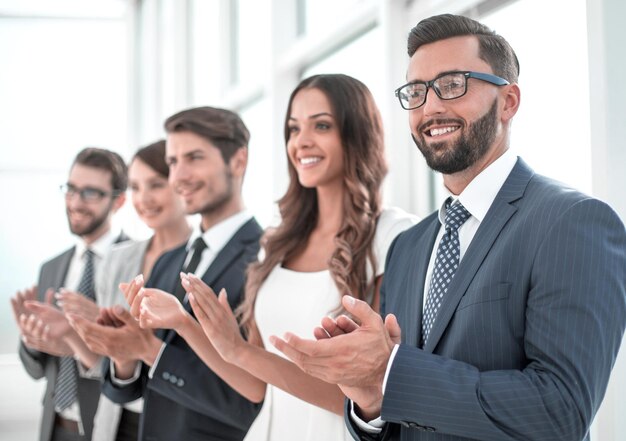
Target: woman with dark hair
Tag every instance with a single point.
(332, 241)
(163, 211)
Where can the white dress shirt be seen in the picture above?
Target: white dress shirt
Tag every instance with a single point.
(477, 198)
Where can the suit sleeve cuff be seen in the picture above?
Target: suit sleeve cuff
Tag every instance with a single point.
(394, 351)
(373, 427)
(125, 382)
(156, 362)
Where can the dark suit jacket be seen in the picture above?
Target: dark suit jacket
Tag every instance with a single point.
(529, 328)
(185, 400)
(39, 364)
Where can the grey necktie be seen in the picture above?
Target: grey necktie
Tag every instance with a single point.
(446, 263)
(66, 387)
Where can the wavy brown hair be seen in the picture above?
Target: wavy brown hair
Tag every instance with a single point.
(361, 132)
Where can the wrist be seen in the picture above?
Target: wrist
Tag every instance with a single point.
(241, 355)
(124, 369)
(185, 324)
(153, 347)
(367, 413)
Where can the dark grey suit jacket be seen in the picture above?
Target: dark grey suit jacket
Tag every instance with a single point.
(530, 326)
(185, 400)
(39, 364)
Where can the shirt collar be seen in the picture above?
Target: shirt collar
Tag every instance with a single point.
(483, 189)
(101, 245)
(219, 234)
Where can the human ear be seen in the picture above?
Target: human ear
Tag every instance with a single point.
(511, 102)
(239, 161)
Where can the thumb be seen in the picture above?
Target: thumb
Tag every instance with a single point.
(122, 314)
(393, 328)
(360, 309)
(49, 296)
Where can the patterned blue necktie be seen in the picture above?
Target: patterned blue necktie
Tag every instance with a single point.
(66, 390)
(446, 263)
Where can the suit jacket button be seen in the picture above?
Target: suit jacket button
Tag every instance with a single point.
(173, 379)
(180, 382)
(165, 376)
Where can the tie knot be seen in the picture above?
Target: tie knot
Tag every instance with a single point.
(199, 244)
(456, 215)
(89, 254)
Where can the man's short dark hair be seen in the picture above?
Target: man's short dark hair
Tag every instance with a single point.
(494, 49)
(222, 128)
(105, 160)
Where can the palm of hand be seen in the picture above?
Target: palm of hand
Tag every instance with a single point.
(56, 323)
(160, 309)
(223, 332)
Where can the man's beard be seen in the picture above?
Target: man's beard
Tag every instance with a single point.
(466, 151)
(93, 226)
(222, 199)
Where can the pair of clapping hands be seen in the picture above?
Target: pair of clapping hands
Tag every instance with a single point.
(45, 326)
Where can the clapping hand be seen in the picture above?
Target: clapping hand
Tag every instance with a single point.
(347, 354)
(215, 316)
(76, 303)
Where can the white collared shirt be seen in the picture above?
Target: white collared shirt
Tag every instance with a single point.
(216, 238)
(477, 199)
(100, 248)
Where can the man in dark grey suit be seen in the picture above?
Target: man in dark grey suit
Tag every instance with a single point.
(511, 297)
(207, 154)
(93, 193)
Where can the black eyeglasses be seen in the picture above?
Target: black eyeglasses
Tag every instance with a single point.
(447, 86)
(87, 194)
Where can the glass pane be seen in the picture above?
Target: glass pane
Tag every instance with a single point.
(253, 41)
(65, 8)
(551, 131)
(258, 190)
(323, 14)
(205, 37)
(59, 92)
(349, 60)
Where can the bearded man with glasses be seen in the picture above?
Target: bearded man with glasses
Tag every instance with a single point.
(504, 309)
(94, 191)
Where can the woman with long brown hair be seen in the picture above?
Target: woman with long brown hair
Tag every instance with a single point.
(332, 241)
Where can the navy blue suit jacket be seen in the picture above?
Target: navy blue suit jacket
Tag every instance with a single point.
(528, 331)
(185, 400)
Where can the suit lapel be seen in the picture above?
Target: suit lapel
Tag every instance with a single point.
(231, 251)
(497, 217)
(63, 267)
(417, 275)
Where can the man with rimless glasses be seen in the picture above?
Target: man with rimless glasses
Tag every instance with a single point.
(503, 310)
(94, 191)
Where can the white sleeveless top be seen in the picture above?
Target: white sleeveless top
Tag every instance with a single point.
(314, 295)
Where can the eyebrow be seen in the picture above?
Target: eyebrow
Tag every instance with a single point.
(316, 115)
(186, 154)
(445, 72)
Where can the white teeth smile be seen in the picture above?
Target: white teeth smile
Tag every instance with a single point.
(310, 160)
(442, 131)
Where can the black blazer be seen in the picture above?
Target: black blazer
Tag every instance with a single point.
(39, 364)
(528, 331)
(184, 399)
